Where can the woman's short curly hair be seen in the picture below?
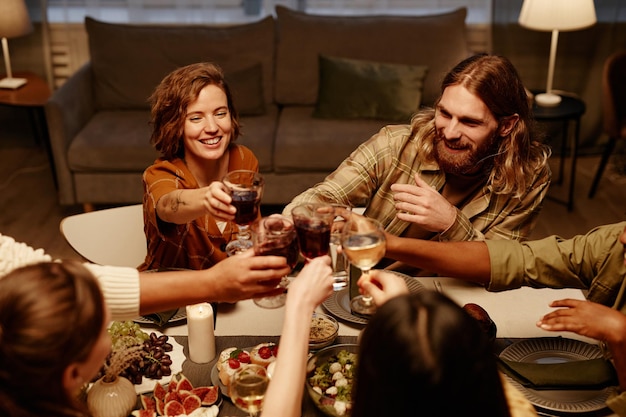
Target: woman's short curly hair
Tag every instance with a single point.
(170, 100)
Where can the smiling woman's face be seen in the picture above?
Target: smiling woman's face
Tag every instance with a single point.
(208, 126)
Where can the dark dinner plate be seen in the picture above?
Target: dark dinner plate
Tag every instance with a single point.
(555, 350)
(338, 304)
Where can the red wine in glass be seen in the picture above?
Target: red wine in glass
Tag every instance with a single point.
(247, 205)
(313, 222)
(275, 235)
(314, 240)
(289, 250)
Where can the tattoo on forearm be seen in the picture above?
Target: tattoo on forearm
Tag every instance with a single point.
(177, 202)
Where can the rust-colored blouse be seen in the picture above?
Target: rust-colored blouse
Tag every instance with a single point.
(195, 245)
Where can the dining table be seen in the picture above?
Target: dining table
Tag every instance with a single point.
(244, 324)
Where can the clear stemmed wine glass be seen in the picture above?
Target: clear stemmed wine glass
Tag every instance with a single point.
(275, 235)
(313, 223)
(246, 190)
(363, 242)
(247, 388)
(339, 261)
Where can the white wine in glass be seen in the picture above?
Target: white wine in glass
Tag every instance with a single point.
(247, 388)
(363, 242)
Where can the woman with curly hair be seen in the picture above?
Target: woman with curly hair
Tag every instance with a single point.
(188, 215)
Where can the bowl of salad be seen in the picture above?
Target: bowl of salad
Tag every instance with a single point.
(330, 378)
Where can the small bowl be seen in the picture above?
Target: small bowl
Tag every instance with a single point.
(328, 404)
(324, 331)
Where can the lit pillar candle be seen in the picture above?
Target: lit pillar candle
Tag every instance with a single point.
(201, 336)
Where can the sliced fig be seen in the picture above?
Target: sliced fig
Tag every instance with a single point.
(173, 385)
(159, 391)
(211, 397)
(174, 408)
(191, 403)
(183, 383)
(160, 407)
(200, 391)
(147, 402)
(183, 393)
(172, 396)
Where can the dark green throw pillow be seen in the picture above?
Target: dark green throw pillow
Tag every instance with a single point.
(351, 88)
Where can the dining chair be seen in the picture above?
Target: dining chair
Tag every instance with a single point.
(614, 108)
(109, 236)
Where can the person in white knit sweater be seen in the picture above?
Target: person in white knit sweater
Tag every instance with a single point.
(129, 293)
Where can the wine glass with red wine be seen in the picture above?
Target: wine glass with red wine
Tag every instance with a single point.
(246, 190)
(313, 222)
(275, 235)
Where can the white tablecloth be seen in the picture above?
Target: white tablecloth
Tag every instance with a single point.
(515, 312)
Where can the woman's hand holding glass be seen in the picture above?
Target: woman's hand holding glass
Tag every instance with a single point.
(217, 200)
(382, 285)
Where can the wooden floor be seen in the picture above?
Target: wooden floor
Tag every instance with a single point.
(29, 211)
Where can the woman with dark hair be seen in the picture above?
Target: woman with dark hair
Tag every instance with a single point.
(419, 354)
(188, 218)
(53, 338)
(423, 352)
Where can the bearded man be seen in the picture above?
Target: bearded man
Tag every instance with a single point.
(470, 168)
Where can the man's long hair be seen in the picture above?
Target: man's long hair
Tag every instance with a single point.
(496, 82)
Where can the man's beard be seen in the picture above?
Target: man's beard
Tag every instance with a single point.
(469, 161)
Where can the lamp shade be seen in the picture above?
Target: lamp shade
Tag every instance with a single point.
(14, 19)
(562, 15)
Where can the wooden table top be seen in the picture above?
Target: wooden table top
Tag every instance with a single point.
(34, 93)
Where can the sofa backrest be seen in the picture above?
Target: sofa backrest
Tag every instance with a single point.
(129, 61)
(437, 41)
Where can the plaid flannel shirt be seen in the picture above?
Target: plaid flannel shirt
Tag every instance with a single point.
(364, 180)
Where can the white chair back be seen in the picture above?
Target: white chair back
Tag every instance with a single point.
(108, 237)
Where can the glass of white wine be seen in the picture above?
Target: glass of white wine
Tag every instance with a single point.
(363, 242)
(247, 388)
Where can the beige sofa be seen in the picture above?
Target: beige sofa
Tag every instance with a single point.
(292, 78)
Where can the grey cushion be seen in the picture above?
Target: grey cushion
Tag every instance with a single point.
(130, 60)
(357, 89)
(113, 141)
(437, 41)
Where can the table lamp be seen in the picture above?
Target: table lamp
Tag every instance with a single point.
(554, 16)
(14, 22)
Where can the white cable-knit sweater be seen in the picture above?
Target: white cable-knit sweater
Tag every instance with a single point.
(120, 285)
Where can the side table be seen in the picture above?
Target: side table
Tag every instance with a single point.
(32, 96)
(570, 109)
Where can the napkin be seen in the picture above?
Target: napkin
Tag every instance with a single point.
(585, 374)
(161, 319)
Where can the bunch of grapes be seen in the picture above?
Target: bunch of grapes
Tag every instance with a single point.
(155, 362)
(126, 334)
